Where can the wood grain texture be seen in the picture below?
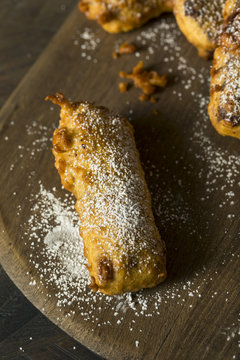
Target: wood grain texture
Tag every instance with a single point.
(24, 327)
(193, 330)
(25, 29)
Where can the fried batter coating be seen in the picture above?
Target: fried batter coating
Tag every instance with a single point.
(224, 106)
(123, 15)
(201, 22)
(97, 160)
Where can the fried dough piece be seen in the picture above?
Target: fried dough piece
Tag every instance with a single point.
(201, 22)
(123, 15)
(97, 160)
(224, 106)
(231, 6)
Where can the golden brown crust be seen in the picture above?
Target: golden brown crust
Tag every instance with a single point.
(123, 15)
(231, 6)
(98, 162)
(200, 21)
(224, 105)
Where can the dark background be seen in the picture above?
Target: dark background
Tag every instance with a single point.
(26, 27)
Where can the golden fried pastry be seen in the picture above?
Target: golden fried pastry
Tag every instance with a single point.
(230, 7)
(123, 15)
(201, 22)
(224, 106)
(97, 160)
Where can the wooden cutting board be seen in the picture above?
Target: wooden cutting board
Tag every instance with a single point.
(193, 175)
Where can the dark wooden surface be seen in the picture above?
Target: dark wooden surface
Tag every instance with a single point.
(26, 27)
(203, 246)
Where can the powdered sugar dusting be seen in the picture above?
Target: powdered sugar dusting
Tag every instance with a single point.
(51, 236)
(56, 223)
(232, 334)
(207, 13)
(228, 78)
(115, 205)
(89, 42)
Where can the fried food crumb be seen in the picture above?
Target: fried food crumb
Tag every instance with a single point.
(123, 87)
(124, 49)
(127, 48)
(143, 97)
(147, 81)
(153, 99)
(115, 54)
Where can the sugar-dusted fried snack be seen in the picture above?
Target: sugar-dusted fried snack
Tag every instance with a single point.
(97, 160)
(230, 7)
(201, 22)
(224, 106)
(148, 81)
(123, 15)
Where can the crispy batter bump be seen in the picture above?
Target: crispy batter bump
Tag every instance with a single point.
(224, 106)
(97, 160)
(61, 140)
(105, 269)
(123, 15)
